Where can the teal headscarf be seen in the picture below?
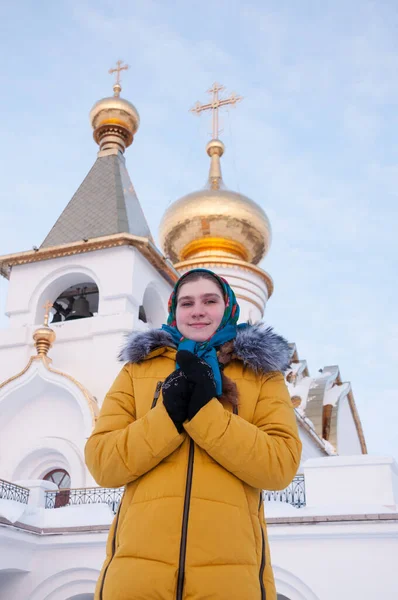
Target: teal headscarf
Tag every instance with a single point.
(226, 331)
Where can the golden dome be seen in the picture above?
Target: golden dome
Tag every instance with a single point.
(215, 220)
(115, 121)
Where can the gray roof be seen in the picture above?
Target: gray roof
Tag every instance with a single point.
(104, 204)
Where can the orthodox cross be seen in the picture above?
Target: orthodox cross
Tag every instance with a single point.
(118, 70)
(215, 104)
(48, 306)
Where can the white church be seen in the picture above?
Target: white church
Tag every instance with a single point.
(97, 276)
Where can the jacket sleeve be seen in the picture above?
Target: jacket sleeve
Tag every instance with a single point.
(121, 447)
(266, 453)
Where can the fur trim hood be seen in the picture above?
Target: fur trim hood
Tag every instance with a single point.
(258, 347)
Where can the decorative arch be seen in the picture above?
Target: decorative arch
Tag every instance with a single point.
(76, 583)
(55, 283)
(290, 586)
(51, 453)
(39, 382)
(154, 307)
(39, 371)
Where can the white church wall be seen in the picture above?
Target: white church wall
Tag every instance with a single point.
(16, 551)
(72, 574)
(309, 449)
(58, 567)
(347, 436)
(358, 482)
(14, 356)
(338, 545)
(325, 561)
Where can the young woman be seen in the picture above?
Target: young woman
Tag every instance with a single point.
(196, 424)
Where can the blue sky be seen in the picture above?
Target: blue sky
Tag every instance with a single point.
(313, 142)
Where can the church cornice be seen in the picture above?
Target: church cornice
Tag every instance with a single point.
(144, 245)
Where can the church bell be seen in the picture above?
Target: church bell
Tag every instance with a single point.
(57, 318)
(80, 309)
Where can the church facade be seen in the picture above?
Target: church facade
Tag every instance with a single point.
(99, 275)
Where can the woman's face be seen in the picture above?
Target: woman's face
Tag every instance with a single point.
(200, 309)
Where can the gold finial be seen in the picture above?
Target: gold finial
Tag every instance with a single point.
(117, 88)
(215, 104)
(114, 120)
(48, 306)
(44, 337)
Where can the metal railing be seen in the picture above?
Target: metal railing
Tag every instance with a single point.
(11, 491)
(294, 494)
(76, 497)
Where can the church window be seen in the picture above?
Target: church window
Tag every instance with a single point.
(60, 477)
(76, 302)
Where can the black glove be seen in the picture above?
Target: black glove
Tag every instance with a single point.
(176, 392)
(199, 373)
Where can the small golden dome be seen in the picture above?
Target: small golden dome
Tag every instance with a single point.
(44, 337)
(215, 220)
(115, 121)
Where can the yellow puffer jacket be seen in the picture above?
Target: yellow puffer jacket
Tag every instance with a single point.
(191, 522)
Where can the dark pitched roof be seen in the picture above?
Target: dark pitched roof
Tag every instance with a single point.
(104, 204)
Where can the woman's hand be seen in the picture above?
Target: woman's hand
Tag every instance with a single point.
(176, 392)
(200, 374)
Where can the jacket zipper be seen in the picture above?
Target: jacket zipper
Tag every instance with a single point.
(185, 517)
(157, 393)
(262, 564)
(112, 555)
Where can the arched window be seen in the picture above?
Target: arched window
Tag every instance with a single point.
(76, 302)
(153, 308)
(62, 479)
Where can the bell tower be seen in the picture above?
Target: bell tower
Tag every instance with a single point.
(98, 265)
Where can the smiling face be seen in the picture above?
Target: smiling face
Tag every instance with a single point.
(200, 309)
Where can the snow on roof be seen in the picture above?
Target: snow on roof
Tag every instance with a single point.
(311, 394)
(47, 518)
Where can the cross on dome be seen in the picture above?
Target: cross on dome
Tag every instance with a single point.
(215, 105)
(117, 88)
(48, 306)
